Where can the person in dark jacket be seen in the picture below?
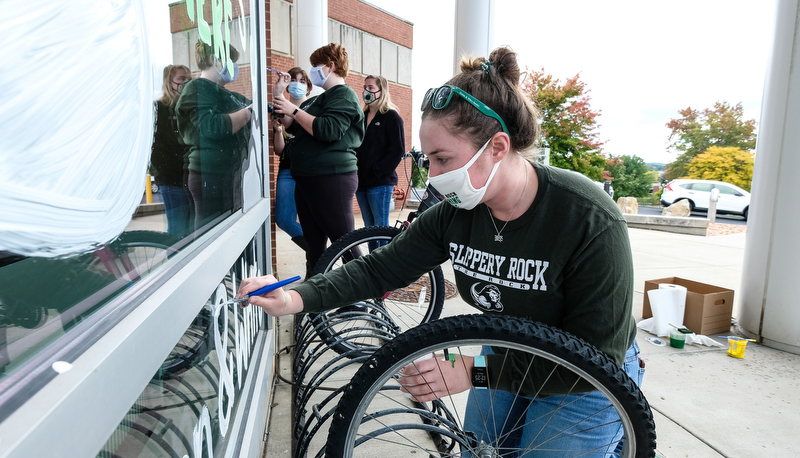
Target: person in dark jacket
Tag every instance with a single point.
(169, 152)
(379, 154)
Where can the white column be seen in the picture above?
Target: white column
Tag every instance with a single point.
(312, 29)
(474, 29)
(770, 303)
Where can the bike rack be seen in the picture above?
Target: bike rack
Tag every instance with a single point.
(321, 373)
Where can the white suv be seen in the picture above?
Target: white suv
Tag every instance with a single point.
(732, 199)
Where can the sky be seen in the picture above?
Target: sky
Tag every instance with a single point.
(642, 60)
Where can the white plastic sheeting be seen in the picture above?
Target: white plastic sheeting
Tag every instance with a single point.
(76, 115)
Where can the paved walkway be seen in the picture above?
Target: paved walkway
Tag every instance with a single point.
(706, 404)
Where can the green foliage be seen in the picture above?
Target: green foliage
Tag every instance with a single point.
(568, 123)
(631, 176)
(731, 165)
(696, 131)
(419, 177)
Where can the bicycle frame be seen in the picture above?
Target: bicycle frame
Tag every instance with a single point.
(430, 197)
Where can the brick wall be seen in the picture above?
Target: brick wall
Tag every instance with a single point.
(369, 19)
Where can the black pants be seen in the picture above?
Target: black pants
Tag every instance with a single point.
(325, 209)
(213, 195)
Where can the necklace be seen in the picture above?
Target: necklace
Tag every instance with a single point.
(498, 237)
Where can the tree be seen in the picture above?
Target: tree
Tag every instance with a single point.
(568, 123)
(631, 176)
(729, 164)
(696, 131)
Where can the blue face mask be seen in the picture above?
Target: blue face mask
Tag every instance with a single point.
(297, 89)
(318, 77)
(226, 75)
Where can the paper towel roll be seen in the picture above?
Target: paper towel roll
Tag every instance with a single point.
(662, 303)
(679, 302)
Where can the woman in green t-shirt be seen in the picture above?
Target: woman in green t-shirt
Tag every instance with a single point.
(324, 164)
(525, 240)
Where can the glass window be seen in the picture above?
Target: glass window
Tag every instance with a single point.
(156, 123)
(701, 187)
(188, 407)
(726, 190)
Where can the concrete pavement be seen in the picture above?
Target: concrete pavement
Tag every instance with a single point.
(705, 403)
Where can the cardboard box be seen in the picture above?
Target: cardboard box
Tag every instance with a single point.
(708, 308)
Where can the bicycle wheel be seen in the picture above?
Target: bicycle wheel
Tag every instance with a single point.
(374, 418)
(134, 254)
(404, 308)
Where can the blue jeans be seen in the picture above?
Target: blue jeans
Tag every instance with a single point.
(285, 207)
(521, 422)
(374, 204)
(178, 206)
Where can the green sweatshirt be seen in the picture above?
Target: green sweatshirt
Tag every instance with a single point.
(338, 130)
(205, 126)
(565, 262)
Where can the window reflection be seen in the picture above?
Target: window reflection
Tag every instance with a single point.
(170, 154)
(215, 123)
(41, 298)
(207, 134)
(188, 407)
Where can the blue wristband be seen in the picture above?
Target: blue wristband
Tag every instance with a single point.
(480, 377)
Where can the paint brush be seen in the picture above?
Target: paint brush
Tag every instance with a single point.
(736, 338)
(243, 301)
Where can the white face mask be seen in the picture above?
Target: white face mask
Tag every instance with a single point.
(318, 77)
(456, 187)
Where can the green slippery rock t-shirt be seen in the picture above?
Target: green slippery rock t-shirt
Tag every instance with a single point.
(565, 262)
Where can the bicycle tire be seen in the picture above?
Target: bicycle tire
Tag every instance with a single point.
(373, 388)
(145, 250)
(404, 314)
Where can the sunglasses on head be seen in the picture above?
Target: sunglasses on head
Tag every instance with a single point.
(440, 97)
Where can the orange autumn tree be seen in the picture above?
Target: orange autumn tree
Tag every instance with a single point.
(569, 124)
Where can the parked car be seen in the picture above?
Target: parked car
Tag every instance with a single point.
(732, 199)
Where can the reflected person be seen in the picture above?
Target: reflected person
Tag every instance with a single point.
(169, 152)
(215, 123)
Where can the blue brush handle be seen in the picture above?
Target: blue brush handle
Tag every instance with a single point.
(273, 286)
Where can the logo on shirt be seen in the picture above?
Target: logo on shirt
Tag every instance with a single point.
(509, 272)
(488, 298)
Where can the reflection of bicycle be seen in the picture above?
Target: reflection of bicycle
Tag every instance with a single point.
(134, 254)
(396, 310)
(543, 363)
(71, 284)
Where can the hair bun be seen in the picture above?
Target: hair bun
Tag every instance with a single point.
(504, 61)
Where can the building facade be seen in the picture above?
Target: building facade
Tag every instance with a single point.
(129, 345)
